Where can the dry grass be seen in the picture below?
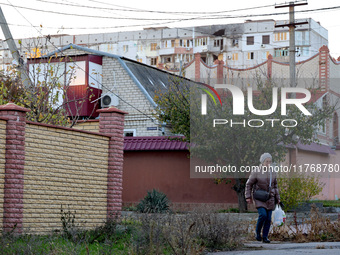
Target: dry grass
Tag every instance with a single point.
(317, 228)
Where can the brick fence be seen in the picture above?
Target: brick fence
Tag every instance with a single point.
(44, 168)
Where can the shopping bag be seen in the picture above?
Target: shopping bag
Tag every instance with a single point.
(279, 216)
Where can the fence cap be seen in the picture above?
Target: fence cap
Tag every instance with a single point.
(13, 107)
(111, 109)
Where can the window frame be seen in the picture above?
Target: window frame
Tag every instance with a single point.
(250, 40)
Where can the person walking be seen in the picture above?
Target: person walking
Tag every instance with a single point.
(261, 187)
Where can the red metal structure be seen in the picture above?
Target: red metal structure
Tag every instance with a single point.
(82, 88)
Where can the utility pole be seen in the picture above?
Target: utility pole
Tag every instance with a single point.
(291, 26)
(14, 51)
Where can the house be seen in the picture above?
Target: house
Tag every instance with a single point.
(100, 76)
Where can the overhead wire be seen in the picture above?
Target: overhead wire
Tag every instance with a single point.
(171, 19)
(129, 9)
(162, 23)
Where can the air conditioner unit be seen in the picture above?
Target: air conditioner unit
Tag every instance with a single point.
(108, 100)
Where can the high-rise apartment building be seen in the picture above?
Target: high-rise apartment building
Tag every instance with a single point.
(239, 45)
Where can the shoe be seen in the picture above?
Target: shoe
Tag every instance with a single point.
(258, 238)
(266, 240)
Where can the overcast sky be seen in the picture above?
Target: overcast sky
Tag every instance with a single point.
(31, 18)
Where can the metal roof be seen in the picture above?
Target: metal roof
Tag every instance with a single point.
(156, 143)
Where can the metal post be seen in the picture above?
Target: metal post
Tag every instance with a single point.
(14, 50)
(292, 51)
(292, 46)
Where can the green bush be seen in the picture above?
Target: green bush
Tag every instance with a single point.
(154, 202)
(298, 188)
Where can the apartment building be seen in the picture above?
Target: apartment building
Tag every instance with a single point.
(239, 45)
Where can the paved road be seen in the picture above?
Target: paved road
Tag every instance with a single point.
(257, 248)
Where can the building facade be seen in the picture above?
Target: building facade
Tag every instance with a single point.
(239, 45)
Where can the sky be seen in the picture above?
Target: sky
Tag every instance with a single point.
(32, 18)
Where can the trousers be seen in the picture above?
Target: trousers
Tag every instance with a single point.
(264, 220)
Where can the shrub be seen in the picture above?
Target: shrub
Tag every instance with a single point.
(298, 188)
(191, 233)
(316, 228)
(154, 202)
(70, 230)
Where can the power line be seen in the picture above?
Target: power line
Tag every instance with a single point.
(83, 15)
(162, 23)
(129, 9)
(171, 19)
(167, 21)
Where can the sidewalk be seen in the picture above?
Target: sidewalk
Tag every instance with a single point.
(258, 248)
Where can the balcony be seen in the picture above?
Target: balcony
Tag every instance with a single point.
(175, 50)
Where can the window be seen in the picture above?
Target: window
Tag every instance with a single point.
(281, 36)
(281, 52)
(250, 55)
(302, 37)
(250, 40)
(235, 56)
(185, 43)
(265, 39)
(129, 132)
(153, 46)
(125, 48)
(172, 43)
(153, 61)
(265, 54)
(235, 42)
(140, 60)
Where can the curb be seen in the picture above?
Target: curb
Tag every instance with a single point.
(275, 245)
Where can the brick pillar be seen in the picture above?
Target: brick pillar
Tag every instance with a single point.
(270, 66)
(14, 166)
(220, 64)
(111, 122)
(197, 67)
(219, 70)
(324, 67)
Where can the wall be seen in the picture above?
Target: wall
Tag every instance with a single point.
(308, 72)
(89, 125)
(331, 181)
(44, 167)
(302, 158)
(169, 172)
(244, 78)
(2, 166)
(64, 168)
(118, 80)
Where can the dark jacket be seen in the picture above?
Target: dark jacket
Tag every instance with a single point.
(259, 180)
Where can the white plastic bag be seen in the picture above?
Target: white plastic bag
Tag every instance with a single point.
(279, 216)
